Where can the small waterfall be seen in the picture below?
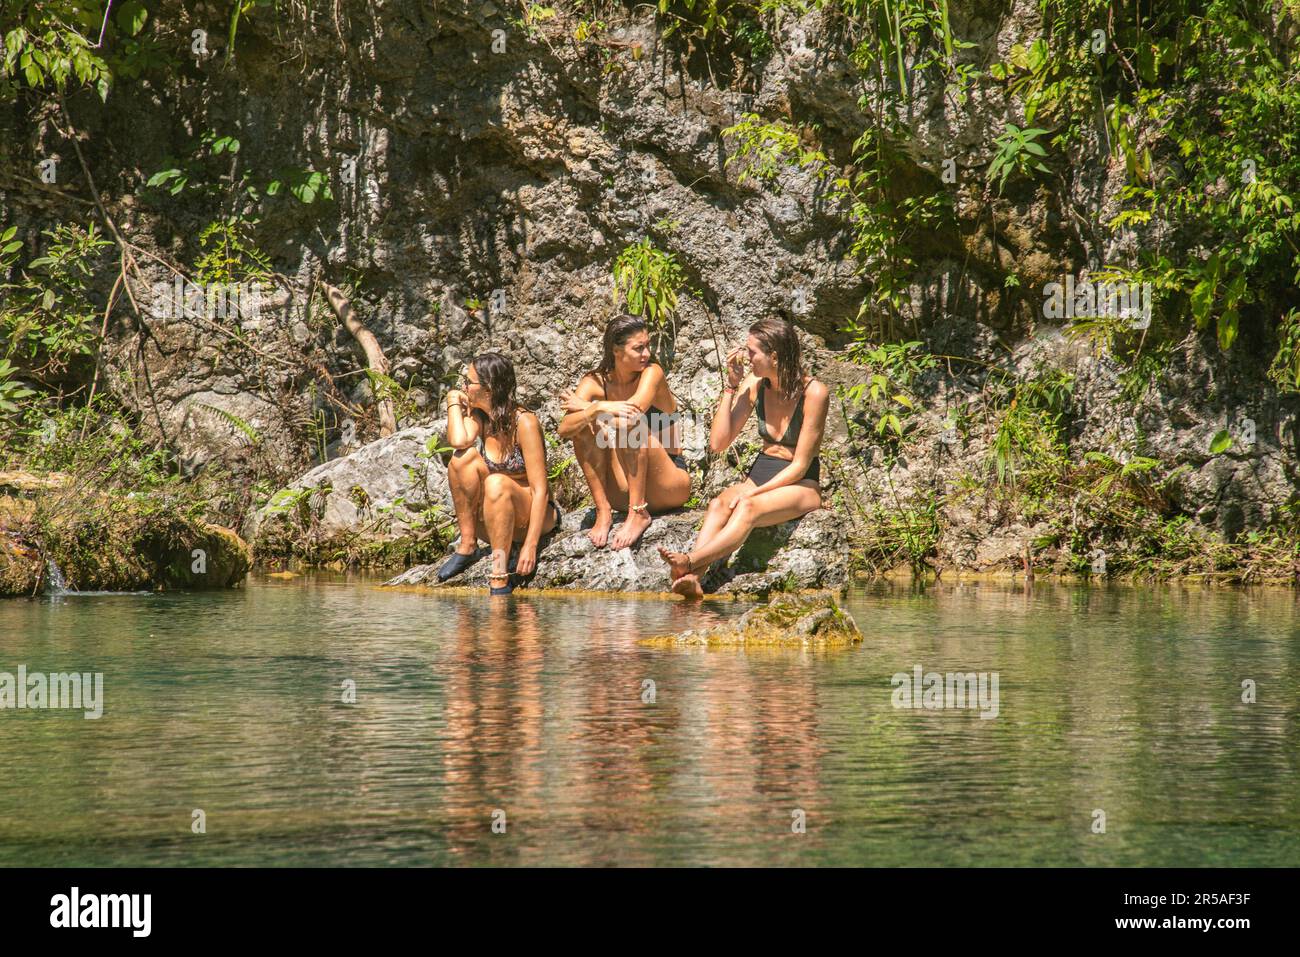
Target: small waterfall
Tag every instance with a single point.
(58, 585)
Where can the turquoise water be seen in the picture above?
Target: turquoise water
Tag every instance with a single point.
(1114, 699)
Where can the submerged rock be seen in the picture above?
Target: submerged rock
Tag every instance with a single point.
(808, 553)
(799, 620)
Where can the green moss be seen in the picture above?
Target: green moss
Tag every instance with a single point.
(114, 542)
(810, 619)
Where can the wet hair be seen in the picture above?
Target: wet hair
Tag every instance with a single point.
(619, 330)
(496, 373)
(779, 340)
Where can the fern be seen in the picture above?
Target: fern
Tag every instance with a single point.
(249, 431)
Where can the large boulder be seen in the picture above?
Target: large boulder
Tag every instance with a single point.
(388, 499)
(108, 541)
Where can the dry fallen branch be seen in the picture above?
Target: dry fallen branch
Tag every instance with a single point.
(369, 345)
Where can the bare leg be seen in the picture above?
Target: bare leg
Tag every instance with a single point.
(465, 474)
(523, 501)
(685, 581)
(769, 508)
(719, 512)
(654, 480)
(594, 462)
(499, 517)
(633, 459)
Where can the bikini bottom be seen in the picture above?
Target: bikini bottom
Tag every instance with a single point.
(766, 466)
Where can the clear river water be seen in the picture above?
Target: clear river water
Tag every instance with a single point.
(536, 731)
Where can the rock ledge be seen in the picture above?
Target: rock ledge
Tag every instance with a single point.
(809, 553)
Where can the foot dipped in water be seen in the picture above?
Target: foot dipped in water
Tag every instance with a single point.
(633, 527)
(685, 582)
(599, 533)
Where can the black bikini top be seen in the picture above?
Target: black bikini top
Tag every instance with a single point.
(653, 414)
(791, 438)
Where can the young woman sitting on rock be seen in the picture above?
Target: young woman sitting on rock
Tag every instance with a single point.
(497, 473)
(784, 480)
(629, 462)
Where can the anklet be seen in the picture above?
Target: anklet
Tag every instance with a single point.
(638, 508)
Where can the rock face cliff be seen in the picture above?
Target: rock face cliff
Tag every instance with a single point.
(486, 169)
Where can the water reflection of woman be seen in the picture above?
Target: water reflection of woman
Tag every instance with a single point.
(494, 723)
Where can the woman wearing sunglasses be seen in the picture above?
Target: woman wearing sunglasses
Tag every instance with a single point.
(497, 474)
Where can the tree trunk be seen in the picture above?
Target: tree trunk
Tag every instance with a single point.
(369, 345)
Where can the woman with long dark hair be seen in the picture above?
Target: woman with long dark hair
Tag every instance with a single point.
(784, 481)
(497, 473)
(622, 421)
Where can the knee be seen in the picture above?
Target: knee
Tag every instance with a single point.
(744, 511)
(719, 506)
(460, 465)
(497, 489)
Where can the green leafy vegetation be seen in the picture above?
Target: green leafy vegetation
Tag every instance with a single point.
(1018, 152)
(762, 149)
(229, 253)
(889, 392)
(647, 280)
(48, 319)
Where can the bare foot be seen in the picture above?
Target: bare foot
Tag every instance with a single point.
(688, 586)
(599, 533)
(679, 563)
(633, 527)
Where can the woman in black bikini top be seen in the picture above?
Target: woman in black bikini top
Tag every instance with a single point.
(626, 465)
(765, 466)
(506, 500)
(778, 488)
(512, 464)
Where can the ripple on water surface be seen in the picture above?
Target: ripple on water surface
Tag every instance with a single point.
(1119, 700)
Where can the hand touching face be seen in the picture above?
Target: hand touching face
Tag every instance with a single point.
(736, 366)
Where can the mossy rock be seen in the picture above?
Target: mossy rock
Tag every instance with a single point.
(134, 550)
(20, 564)
(803, 620)
(111, 542)
(211, 557)
(20, 568)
